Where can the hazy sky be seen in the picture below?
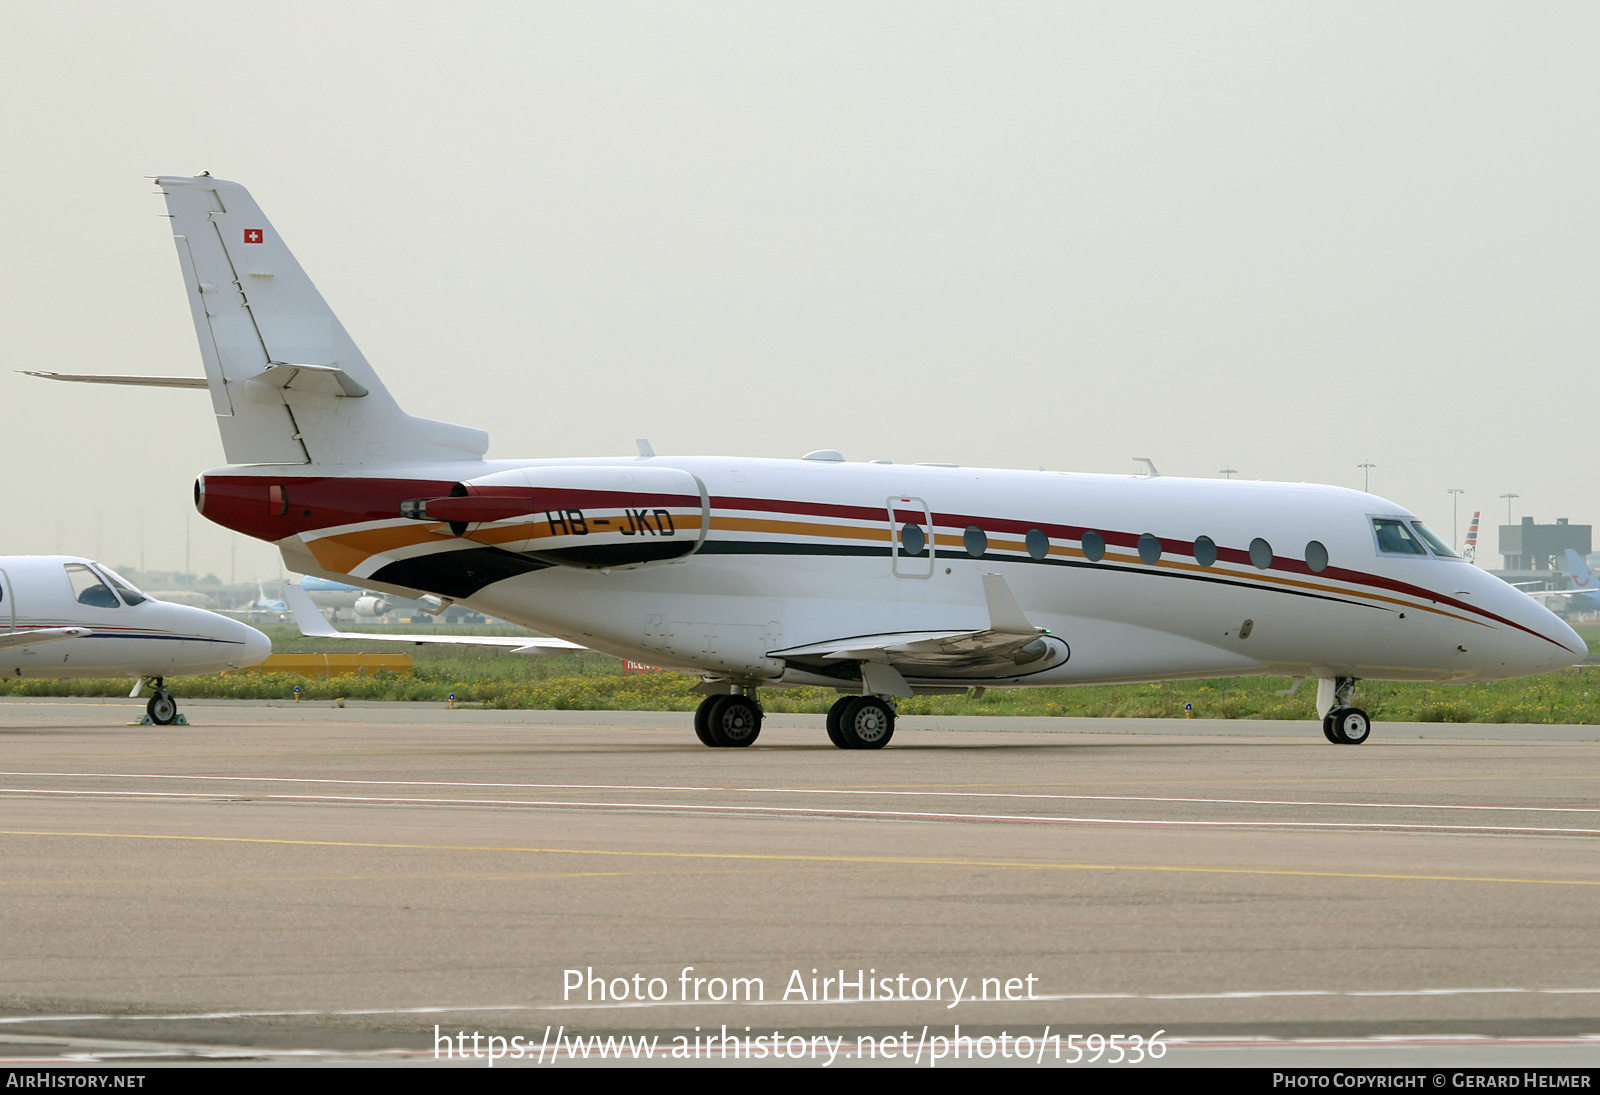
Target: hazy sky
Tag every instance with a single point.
(1283, 238)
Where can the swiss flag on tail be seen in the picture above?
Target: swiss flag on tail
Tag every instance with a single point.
(252, 235)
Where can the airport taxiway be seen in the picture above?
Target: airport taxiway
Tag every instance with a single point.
(306, 878)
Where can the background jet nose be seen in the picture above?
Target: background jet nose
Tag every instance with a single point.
(256, 646)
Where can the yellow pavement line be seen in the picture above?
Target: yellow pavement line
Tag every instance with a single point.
(906, 861)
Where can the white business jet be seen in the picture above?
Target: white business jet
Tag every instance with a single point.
(878, 580)
(62, 616)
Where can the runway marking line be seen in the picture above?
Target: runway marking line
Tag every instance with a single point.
(908, 861)
(16, 1020)
(811, 811)
(806, 791)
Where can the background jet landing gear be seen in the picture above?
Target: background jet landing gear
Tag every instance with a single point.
(860, 722)
(728, 721)
(162, 710)
(1343, 724)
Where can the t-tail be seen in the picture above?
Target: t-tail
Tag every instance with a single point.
(287, 383)
(1470, 551)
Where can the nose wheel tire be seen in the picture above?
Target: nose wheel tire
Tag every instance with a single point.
(728, 722)
(865, 722)
(162, 708)
(1347, 726)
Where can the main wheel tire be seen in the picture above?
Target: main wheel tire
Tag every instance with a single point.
(834, 714)
(1327, 729)
(702, 716)
(162, 708)
(1351, 726)
(866, 723)
(734, 721)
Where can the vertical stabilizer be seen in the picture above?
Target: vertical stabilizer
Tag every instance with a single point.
(1470, 551)
(1583, 577)
(287, 384)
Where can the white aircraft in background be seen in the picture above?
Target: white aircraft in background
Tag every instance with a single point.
(875, 579)
(61, 616)
(339, 595)
(1585, 583)
(1584, 596)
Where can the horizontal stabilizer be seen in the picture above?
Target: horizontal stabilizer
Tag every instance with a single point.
(314, 625)
(137, 381)
(11, 639)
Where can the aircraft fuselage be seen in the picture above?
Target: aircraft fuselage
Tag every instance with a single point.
(713, 564)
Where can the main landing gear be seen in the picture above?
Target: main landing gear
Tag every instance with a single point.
(728, 722)
(162, 710)
(1343, 724)
(734, 721)
(860, 722)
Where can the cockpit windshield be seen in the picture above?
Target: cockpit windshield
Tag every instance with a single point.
(123, 586)
(1432, 539)
(1394, 538)
(88, 589)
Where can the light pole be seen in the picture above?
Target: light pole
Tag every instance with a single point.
(1228, 473)
(1455, 525)
(1508, 498)
(1366, 474)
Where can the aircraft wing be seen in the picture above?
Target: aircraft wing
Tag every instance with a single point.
(314, 625)
(865, 647)
(42, 635)
(1008, 643)
(1009, 628)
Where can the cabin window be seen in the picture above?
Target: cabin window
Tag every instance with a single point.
(88, 589)
(1431, 538)
(1260, 553)
(129, 595)
(975, 541)
(1094, 546)
(912, 539)
(1395, 539)
(277, 501)
(1037, 543)
(1205, 551)
(1316, 557)
(1150, 549)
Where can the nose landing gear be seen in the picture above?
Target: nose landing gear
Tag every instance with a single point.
(1342, 723)
(162, 710)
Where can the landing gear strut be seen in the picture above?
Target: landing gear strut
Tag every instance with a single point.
(860, 722)
(162, 708)
(1342, 723)
(728, 722)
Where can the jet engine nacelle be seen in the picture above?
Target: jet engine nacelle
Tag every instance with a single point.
(577, 516)
(370, 605)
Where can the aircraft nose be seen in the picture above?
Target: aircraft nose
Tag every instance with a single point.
(1563, 633)
(256, 646)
